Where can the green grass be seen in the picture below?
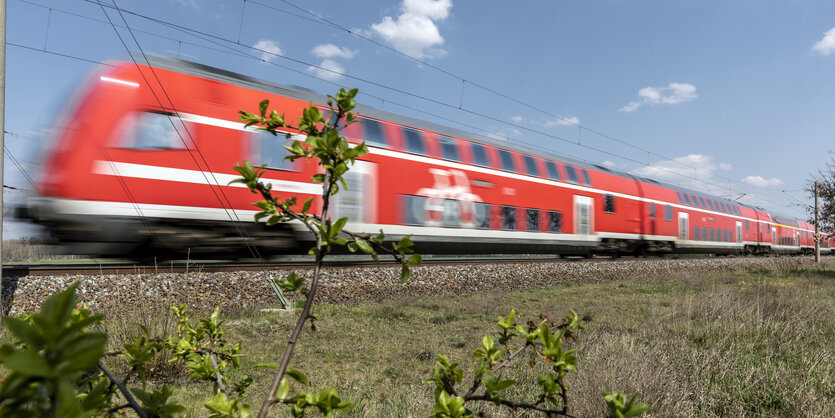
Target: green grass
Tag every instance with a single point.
(750, 343)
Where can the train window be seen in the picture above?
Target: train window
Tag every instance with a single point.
(268, 149)
(687, 199)
(414, 141)
(712, 236)
(508, 217)
(696, 233)
(730, 235)
(414, 210)
(587, 178)
(452, 213)
(724, 209)
(555, 221)
(449, 148)
(668, 213)
(747, 226)
(702, 201)
(738, 211)
(710, 204)
(482, 215)
(695, 200)
(530, 166)
(768, 228)
(506, 160)
(154, 131)
(652, 210)
(724, 235)
(373, 131)
(680, 200)
(533, 219)
(479, 155)
(609, 203)
(571, 173)
(553, 172)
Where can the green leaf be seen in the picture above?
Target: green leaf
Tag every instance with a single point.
(263, 107)
(28, 363)
(307, 204)
(414, 259)
(24, 331)
(364, 246)
(266, 366)
(318, 178)
(298, 376)
(337, 226)
(405, 273)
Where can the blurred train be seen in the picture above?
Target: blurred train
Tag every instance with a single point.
(143, 165)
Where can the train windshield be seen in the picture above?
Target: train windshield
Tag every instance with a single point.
(155, 131)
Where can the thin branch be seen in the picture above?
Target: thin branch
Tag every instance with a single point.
(125, 392)
(523, 405)
(116, 409)
(218, 377)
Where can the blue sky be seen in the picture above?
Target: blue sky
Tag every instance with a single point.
(728, 97)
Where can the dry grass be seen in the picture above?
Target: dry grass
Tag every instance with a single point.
(748, 343)
(28, 250)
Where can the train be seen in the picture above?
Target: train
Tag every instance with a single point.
(143, 162)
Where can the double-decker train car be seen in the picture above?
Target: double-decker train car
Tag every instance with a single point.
(144, 162)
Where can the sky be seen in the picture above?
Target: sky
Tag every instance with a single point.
(732, 98)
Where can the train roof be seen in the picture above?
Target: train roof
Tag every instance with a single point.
(301, 93)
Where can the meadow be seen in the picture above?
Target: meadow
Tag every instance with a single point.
(744, 343)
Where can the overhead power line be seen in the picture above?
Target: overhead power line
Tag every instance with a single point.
(207, 37)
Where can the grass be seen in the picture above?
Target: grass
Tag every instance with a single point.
(749, 343)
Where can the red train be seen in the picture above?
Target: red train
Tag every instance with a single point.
(143, 166)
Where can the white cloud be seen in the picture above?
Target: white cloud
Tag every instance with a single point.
(269, 49)
(190, 3)
(630, 107)
(329, 70)
(673, 93)
(826, 45)
(759, 181)
(563, 121)
(332, 51)
(726, 166)
(608, 163)
(517, 119)
(414, 31)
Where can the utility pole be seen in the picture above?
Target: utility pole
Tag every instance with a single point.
(2, 134)
(817, 229)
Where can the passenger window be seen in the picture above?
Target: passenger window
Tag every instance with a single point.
(482, 215)
(508, 217)
(373, 131)
(702, 201)
(652, 210)
(697, 233)
(449, 148)
(680, 200)
(687, 199)
(668, 213)
(506, 160)
(530, 166)
(268, 149)
(553, 173)
(414, 141)
(571, 173)
(414, 210)
(555, 221)
(533, 219)
(155, 131)
(746, 225)
(710, 204)
(479, 155)
(587, 178)
(609, 203)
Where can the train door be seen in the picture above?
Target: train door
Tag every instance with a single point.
(738, 231)
(583, 215)
(774, 236)
(682, 225)
(359, 201)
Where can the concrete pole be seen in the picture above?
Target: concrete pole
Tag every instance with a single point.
(817, 229)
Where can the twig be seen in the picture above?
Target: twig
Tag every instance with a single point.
(514, 404)
(125, 392)
(218, 377)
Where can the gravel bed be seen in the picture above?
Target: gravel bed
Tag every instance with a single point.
(238, 291)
